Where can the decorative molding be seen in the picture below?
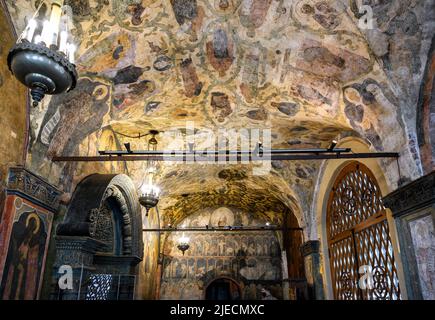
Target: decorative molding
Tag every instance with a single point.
(32, 187)
(413, 196)
(114, 192)
(101, 226)
(84, 244)
(310, 247)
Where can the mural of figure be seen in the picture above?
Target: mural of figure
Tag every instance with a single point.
(230, 248)
(200, 267)
(199, 247)
(370, 108)
(205, 248)
(69, 119)
(177, 268)
(244, 245)
(221, 246)
(25, 259)
(214, 247)
(72, 117)
(253, 14)
(191, 268)
(220, 52)
(251, 246)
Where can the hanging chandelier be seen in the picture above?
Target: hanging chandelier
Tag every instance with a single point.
(149, 193)
(43, 56)
(183, 243)
(149, 197)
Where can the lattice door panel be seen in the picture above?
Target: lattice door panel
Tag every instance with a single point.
(109, 287)
(355, 198)
(375, 249)
(344, 271)
(358, 238)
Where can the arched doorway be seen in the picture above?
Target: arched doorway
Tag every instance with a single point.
(223, 289)
(360, 250)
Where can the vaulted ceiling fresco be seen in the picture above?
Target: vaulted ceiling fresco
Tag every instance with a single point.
(302, 68)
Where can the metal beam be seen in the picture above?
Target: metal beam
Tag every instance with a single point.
(223, 229)
(221, 152)
(225, 157)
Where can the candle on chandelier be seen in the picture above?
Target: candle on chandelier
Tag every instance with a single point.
(31, 30)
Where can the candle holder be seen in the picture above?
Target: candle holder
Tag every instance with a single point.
(149, 197)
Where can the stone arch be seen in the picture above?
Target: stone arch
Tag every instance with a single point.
(104, 209)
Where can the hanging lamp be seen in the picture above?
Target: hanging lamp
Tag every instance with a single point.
(43, 57)
(149, 193)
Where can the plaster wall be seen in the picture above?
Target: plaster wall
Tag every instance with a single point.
(13, 102)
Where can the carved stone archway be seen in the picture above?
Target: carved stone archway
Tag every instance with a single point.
(100, 239)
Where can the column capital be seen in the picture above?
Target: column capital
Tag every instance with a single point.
(32, 187)
(310, 247)
(413, 196)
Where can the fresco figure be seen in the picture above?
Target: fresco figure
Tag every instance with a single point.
(24, 262)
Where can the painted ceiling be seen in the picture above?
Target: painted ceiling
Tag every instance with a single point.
(302, 68)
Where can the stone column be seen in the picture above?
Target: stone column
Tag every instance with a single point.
(285, 280)
(159, 274)
(413, 208)
(310, 251)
